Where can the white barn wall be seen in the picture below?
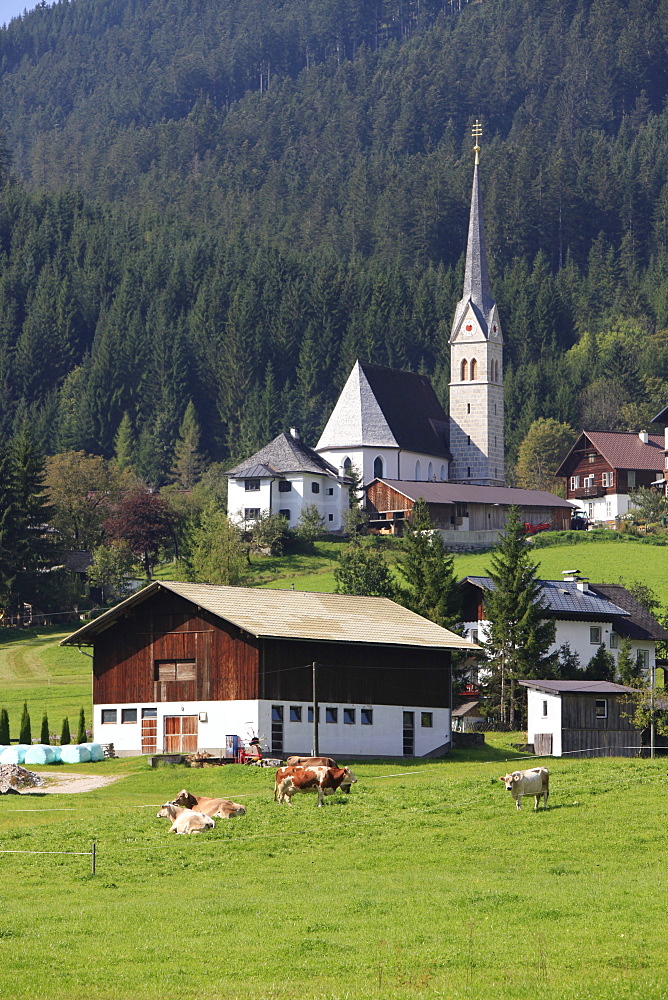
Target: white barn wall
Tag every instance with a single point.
(538, 723)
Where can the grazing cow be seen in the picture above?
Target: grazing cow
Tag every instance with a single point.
(185, 820)
(222, 808)
(322, 780)
(535, 781)
(320, 762)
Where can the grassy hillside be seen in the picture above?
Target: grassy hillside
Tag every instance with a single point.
(425, 882)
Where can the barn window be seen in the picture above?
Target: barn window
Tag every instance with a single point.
(252, 485)
(331, 715)
(276, 713)
(149, 713)
(595, 635)
(464, 370)
(309, 714)
(378, 468)
(544, 709)
(601, 710)
(108, 716)
(426, 720)
(366, 716)
(128, 715)
(284, 486)
(175, 670)
(295, 713)
(349, 716)
(474, 369)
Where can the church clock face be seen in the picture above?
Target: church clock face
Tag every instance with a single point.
(469, 327)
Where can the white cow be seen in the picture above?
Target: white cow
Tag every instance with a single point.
(535, 781)
(185, 820)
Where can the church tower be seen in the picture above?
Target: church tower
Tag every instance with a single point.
(476, 360)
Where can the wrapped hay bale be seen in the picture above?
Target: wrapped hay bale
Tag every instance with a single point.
(96, 752)
(39, 754)
(75, 753)
(14, 755)
(56, 754)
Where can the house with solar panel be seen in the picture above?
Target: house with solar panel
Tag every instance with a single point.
(389, 429)
(183, 667)
(586, 616)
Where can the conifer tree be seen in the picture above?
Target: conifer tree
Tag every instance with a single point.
(4, 727)
(124, 444)
(25, 734)
(188, 462)
(519, 634)
(65, 737)
(81, 728)
(45, 736)
(601, 667)
(628, 669)
(427, 569)
(363, 572)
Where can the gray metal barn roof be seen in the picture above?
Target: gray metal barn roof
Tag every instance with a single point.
(578, 687)
(435, 492)
(294, 614)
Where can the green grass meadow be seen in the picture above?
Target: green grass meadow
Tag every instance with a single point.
(425, 882)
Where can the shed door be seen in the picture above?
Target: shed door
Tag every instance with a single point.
(542, 744)
(149, 731)
(180, 733)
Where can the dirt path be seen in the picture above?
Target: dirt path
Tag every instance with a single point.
(65, 784)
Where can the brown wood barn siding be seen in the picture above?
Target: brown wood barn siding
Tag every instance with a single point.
(165, 627)
(367, 675)
(578, 712)
(600, 743)
(381, 497)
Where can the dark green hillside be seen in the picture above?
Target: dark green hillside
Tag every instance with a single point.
(230, 201)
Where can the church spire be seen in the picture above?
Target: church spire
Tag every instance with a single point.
(476, 277)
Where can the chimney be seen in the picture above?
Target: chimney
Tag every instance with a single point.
(294, 433)
(644, 437)
(583, 585)
(570, 575)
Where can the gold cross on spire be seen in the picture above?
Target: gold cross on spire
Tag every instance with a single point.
(476, 132)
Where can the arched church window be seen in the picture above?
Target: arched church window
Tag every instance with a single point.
(474, 369)
(465, 370)
(378, 468)
(347, 466)
(418, 470)
(430, 471)
(442, 473)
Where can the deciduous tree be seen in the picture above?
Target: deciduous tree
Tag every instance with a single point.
(146, 522)
(362, 571)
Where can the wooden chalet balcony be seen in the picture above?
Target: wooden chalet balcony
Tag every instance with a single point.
(585, 492)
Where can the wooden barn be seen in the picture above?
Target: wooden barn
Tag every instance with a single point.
(467, 516)
(583, 718)
(179, 667)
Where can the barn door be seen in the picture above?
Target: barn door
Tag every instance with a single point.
(149, 730)
(180, 733)
(542, 744)
(409, 734)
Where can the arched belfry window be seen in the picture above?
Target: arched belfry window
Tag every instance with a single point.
(418, 470)
(474, 369)
(378, 468)
(465, 370)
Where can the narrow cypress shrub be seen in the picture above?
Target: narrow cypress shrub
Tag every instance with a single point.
(65, 737)
(4, 728)
(44, 737)
(81, 731)
(25, 735)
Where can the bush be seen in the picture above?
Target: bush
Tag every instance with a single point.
(4, 728)
(81, 729)
(45, 736)
(25, 735)
(65, 737)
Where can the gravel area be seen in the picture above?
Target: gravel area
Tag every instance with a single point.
(65, 784)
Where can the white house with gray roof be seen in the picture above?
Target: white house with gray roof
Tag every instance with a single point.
(284, 477)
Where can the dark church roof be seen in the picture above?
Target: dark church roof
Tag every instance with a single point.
(282, 455)
(387, 408)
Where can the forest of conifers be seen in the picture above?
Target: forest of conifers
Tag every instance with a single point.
(228, 201)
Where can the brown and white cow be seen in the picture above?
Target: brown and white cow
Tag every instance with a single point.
(322, 780)
(222, 808)
(185, 820)
(319, 762)
(534, 781)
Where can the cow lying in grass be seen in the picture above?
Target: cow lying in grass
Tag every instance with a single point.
(322, 780)
(185, 820)
(535, 781)
(221, 808)
(321, 762)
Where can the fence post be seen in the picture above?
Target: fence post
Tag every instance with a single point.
(92, 858)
